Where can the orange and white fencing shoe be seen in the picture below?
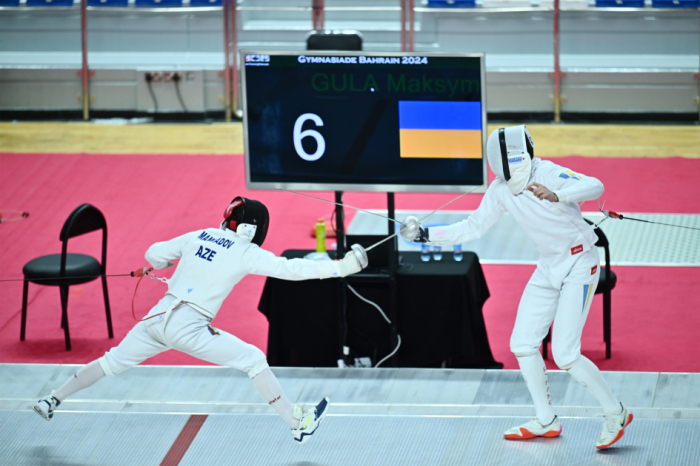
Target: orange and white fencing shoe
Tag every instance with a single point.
(614, 427)
(533, 429)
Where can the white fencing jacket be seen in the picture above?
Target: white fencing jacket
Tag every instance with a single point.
(557, 228)
(213, 261)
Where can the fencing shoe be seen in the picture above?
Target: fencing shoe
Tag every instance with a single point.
(309, 420)
(614, 427)
(46, 406)
(533, 428)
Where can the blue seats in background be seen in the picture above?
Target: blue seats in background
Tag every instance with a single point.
(49, 2)
(9, 2)
(159, 3)
(206, 2)
(619, 3)
(675, 3)
(108, 3)
(451, 3)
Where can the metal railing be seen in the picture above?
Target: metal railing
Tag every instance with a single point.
(317, 9)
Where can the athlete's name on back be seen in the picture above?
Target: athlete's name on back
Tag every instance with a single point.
(226, 243)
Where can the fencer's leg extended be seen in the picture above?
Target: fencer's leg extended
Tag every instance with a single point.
(137, 346)
(190, 332)
(535, 315)
(269, 388)
(84, 378)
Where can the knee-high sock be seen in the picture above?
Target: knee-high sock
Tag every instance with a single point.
(587, 374)
(84, 378)
(269, 388)
(535, 374)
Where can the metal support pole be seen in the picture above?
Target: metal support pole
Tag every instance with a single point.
(234, 62)
(411, 25)
(317, 14)
(227, 60)
(85, 72)
(393, 287)
(557, 70)
(403, 25)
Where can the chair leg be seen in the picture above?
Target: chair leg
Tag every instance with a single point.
(545, 342)
(607, 323)
(64, 308)
(107, 309)
(25, 292)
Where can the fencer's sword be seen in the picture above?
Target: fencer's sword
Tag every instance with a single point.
(341, 205)
(379, 215)
(611, 214)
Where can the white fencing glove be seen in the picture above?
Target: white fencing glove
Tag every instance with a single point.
(353, 262)
(412, 230)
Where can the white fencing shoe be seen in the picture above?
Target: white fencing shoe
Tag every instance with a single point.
(46, 406)
(309, 420)
(614, 427)
(533, 429)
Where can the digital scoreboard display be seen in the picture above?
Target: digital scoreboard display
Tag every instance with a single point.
(353, 121)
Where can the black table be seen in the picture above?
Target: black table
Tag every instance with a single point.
(439, 316)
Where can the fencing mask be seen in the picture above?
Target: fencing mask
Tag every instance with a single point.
(248, 218)
(510, 152)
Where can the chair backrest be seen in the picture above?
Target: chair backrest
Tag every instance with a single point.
(334, 40)
(84, 219)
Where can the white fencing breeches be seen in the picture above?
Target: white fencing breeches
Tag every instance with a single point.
(543, 303)
(185, 330)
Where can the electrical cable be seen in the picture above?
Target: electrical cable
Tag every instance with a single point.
(64, 278)
(149, 78)
(385, 318)
(176, 80)
(5, 219)
(369, 302)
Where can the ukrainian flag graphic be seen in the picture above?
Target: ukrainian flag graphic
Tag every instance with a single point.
(444, 130)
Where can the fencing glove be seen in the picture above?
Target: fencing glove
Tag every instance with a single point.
(412, 230)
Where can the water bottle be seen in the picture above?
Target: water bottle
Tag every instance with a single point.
(457, 252)
(321, 235)
(437, 253)
(424, 252)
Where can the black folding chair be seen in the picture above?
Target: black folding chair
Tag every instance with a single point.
(66, 269)
(334, 40)
(606, 283)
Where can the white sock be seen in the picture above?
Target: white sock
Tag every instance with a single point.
(587, 374)
(84, 378)
(269, 388)
(535, 374)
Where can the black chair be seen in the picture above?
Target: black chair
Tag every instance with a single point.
(606, 283)
(65, 269)
(334, 40)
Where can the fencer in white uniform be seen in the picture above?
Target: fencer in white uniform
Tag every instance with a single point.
(542, 198)
(211, 262)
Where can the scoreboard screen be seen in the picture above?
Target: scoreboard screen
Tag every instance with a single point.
(353, 121)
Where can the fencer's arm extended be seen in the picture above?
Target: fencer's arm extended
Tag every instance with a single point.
(478, 223)
(261, 262)
(160, 255)
(573, 187)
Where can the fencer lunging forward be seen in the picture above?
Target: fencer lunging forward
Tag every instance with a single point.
(212, 262)
(542, 197)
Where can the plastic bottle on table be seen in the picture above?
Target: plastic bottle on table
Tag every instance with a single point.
(320, 235)
(457, 252)
(437, 253)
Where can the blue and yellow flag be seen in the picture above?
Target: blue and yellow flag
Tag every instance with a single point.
(435, 129)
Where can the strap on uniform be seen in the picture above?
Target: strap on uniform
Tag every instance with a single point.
(504, 153)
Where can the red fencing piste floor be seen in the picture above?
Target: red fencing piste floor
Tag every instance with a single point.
(154, 198)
